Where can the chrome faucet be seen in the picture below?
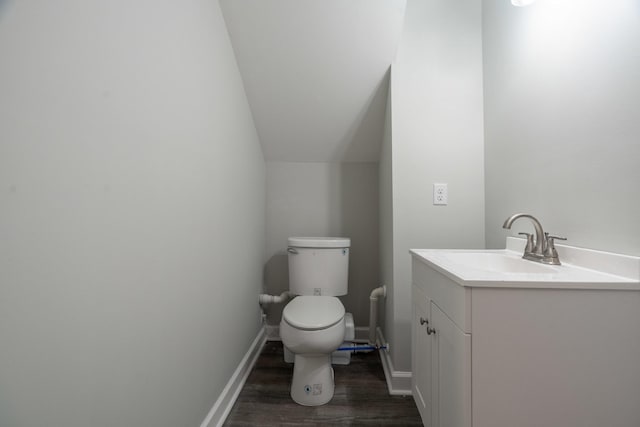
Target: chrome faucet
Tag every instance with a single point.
(543, 248)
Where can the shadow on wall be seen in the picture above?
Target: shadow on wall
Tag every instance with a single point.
(276, 280)
(3, 5)
(364, 139)
(359, 220)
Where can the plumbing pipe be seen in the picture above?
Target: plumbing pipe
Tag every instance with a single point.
(274, 299)
(373, 311)
(364, 347)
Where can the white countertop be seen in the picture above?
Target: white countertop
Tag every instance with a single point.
(581, 268)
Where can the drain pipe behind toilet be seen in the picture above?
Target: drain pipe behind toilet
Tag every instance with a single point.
(373, 311)
(274, 299)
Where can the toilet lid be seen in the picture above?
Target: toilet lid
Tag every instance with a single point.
(319, 242)
(313, 312)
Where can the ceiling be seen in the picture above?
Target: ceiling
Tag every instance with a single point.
(316, 73)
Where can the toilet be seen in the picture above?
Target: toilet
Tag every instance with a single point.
(313, 323)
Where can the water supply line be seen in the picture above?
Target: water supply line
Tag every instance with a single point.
(354, 348)
(274, 299)
(373, 312)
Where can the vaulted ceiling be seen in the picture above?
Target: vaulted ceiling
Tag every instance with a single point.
(316, 73)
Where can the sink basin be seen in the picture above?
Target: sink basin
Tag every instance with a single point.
(581, 268)
(505, 262)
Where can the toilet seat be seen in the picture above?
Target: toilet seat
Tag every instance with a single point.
(312, 313)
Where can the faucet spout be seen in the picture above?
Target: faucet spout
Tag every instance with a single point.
(540, 238)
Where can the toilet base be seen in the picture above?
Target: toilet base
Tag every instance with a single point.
(337, 357)
(312, 383)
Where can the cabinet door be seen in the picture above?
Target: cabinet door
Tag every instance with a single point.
(451, 372)
(421, 356)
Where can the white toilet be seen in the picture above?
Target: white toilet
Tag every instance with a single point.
(313, 323)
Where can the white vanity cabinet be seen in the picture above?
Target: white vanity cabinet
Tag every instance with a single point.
(523, 353)
(441, 381)
(422, 345)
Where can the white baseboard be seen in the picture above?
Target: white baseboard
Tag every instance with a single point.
(398, 382)
(220, 410)
(273, 332)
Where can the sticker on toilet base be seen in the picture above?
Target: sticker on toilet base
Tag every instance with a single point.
(314, 390)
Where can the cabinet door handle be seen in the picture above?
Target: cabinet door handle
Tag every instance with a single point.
(430, 330)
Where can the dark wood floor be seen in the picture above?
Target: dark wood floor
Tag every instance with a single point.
(361, 396)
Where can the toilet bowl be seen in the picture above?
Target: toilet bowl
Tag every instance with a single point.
(312, 327)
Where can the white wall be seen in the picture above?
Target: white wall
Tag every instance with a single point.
(385, 207)
(562, 104)
(315, 72)
(436, 136)
(324, 199)
(132, 213)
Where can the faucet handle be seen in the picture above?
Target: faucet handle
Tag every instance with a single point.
(529, 247)
(550, 247)
(550, 239)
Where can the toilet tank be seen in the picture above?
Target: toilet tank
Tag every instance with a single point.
(318, 265)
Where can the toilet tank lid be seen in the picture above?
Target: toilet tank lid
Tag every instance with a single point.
(311, 313)
(319, 242)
